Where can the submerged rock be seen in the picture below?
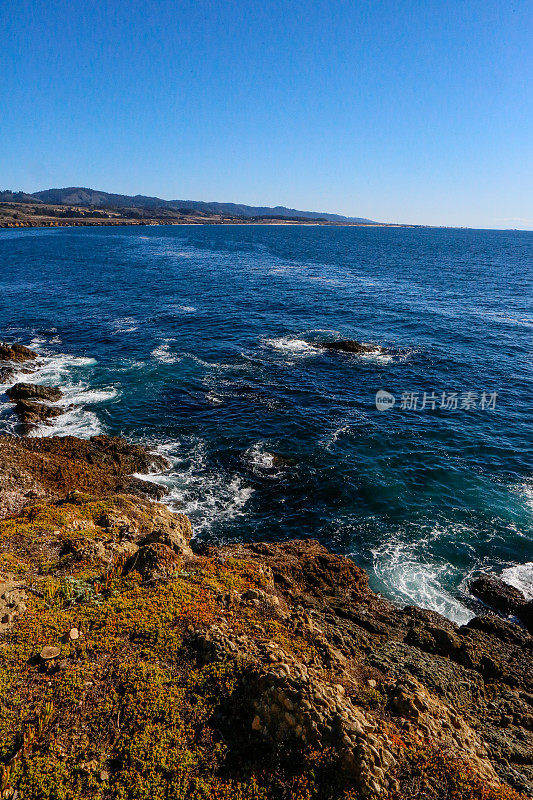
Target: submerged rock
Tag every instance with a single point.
(32, 391)
(349, 346)
(16, 352)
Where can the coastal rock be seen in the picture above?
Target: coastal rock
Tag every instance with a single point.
(30, 412)
(172, 530)
(497, 594)
(12, 597)
(526, 615)
(55, 466)
(274, 660)
(349, 346)
(33, 391)
(6, 374)
(49, 652)
(16, 352)
(154, 562)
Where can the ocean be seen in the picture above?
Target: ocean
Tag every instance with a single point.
(201, 342)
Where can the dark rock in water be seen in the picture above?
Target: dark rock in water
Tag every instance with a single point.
(498, 595)
(349, 346)
(30, 412)
(8, 373)
(16, 352)
(31, 391)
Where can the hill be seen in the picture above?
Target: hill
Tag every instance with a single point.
(81, 196)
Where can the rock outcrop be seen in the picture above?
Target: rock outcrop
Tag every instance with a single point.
(503, 598)
(253, 671)
(52, 467)
(33, 391)
(349, 346)
(30, 412)
(16, 352)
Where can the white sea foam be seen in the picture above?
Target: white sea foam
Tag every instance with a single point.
(526, 491)
(293, 346)
(411, 579)
(65, 372)
(260, 461)
(75, 422)
(332, 438)
(206, 495)
(162, 353)
(213, 399)
(216, 365)
(376, 355)
(520, 576)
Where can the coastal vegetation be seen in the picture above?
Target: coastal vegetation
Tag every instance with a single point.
(138, 664)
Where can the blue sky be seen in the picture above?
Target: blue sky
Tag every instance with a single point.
(395, 110)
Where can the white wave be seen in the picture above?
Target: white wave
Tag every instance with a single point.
(61, 370)
(162, 353)
(213, 399)
(125, 325)
(74, 422)
(205, 495)
(376, 355)
(526, 491)
(260, 460)
(214, 364)
(48, 370)
(411, 579)
(80, 394)
(520, 576)
(37, 341)
(294, 346)
(328, 441)
(186, 309)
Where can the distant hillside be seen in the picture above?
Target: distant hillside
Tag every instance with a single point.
(79, 196)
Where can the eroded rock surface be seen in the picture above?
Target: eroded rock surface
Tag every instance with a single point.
(258, 672)
(52, 467)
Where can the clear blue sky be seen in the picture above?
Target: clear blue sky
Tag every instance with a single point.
(396, 110)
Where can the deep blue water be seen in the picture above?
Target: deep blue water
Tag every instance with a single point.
(199, 341)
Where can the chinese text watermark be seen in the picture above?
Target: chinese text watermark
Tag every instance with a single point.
(432, 401)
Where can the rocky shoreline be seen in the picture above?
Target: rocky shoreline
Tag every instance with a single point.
(138, 663)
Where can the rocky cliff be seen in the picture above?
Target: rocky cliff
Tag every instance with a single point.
(136, 665)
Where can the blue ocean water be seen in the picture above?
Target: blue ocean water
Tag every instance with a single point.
(199, 341)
